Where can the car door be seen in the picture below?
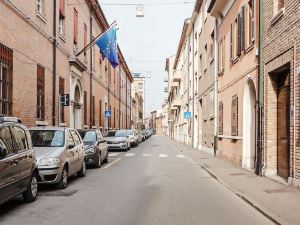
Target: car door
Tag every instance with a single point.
(79, 151)
(102, 145)
(9, 166)
(25, 155)
(71, 152)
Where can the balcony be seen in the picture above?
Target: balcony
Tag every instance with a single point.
(177, 76)
(174, 84)
(176, 103)
(166, 89)
(216, 7)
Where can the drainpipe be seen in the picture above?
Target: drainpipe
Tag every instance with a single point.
(54, 67)
(119, 97)
(216, 89)
(108, 95)
(91, 71)
(193, 88)
(260, 155)
(127, 104)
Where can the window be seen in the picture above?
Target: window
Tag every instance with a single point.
(93, 55)
(231, 42)
(70, 139)
(6, 140)
(206, 57)
(47, 138)
(114, 117)
(250, 32)
(100, 113)
(140, 86)
(76, 138)
(20, 138)
(40, 93)
(200, 65)
(6, 68)
(84, 38)
(205, 10)
(85, 107)
(212, 103)
(61, 93)
(93, 111)
(221, 54)
(238, 36)
(40, 7)
(234, 116)
(75, 37)
(62, 17)
(220, 118)
(278, 5)
(212, 46)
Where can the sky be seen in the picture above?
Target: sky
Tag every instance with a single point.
(147, 42)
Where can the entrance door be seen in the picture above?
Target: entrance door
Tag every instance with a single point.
(283, 125)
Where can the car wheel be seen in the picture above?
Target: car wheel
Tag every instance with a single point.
(63, 182)
(31, 193)
(82, 171)
(98, 164)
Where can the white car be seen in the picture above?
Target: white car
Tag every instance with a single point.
(118, 140)
(133, 137)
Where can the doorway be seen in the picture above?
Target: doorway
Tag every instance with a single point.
(77, 109)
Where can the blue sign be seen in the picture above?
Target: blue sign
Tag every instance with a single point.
(187, 115)
(107, 113)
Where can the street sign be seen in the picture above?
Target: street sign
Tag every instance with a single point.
(65, 100)
(187, 115)
(107, 113)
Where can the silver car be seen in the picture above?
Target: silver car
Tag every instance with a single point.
(60, 154)
(133, 137)
(118, 140)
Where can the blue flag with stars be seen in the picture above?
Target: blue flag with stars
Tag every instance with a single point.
(107, 44)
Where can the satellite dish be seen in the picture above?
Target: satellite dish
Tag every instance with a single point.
(139, 11)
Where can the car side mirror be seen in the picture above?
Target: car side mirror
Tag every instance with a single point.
(3, 152)
(71, 146)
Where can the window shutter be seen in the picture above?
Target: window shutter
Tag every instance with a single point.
(253, 21)
(62, 8)
(239, 47)
(243, 29)
(85, 107)
(234, 116)
(223, 55)
(220, 129)
(75, 26)
(231, 42)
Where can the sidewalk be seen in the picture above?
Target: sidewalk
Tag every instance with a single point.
(277, 201)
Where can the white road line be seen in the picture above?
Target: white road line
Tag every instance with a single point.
(113, 154)
(180, 156)
(129, 154)
(112, 163)
(146, 155)
(163, 155)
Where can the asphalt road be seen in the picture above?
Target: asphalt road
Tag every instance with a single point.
(151, 184)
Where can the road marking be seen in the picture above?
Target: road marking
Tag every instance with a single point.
(113, 154)
(129, 154)
(180, 156)
(112, 163)
(163, 155)
(146, 154)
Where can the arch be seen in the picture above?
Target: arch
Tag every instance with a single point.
(249, 125)
(77, 105)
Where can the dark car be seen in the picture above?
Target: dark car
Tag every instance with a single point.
(95, 147)
(18, 167)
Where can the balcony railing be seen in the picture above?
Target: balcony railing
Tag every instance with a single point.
(174, 84)
(176, 103)
(177, 76)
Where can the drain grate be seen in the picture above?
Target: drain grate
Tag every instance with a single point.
(58, 193)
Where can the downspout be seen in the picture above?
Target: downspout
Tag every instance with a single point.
(188, 90)
(119, 97)
(127, 104)
(216, 88)
(260, 155)
(54, 67)
(193, 86)
(91, 72)
(108, 96)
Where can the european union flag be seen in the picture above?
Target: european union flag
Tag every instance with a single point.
(107, 44)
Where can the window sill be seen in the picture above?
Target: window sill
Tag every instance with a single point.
(41, 16)
(249, 48)
(235, 60)
(212, 60)
(221, 72)
(41, 123)
(277, 16)
(230, 137)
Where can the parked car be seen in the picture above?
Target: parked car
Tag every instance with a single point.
(140, 136)
(59, 153)
(18, 168)
(144, 133)
(95, 147)
(133, 137)
(118, 140)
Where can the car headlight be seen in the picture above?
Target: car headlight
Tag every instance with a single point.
(90, 150)
(49, 162)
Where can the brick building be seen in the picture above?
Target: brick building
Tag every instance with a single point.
(237, 23)
(281, 46)
(38, 59)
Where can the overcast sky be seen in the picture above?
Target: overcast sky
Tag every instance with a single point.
(147, 42)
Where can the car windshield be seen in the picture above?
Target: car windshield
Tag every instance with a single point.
(47, 138)
(88, 136)
(121, 134)
(111, 134)
(130, 132)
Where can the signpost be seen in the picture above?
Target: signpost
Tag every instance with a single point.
(187, 115)
(65, 100)
(107, 113)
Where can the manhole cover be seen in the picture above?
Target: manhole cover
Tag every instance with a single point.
(58, 193)
(237, 174)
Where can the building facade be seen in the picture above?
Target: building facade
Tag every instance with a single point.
(237, 79)
(43, 62)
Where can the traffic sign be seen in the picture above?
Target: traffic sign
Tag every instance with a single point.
(65, 100)
(187, 115)
(107, 113)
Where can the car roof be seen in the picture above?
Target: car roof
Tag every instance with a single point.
(48, 128)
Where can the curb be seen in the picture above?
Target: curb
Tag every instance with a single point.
(260, 208)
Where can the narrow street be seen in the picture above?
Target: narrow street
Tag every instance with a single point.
(154, 183)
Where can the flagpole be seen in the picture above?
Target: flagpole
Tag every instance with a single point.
(100, 35)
